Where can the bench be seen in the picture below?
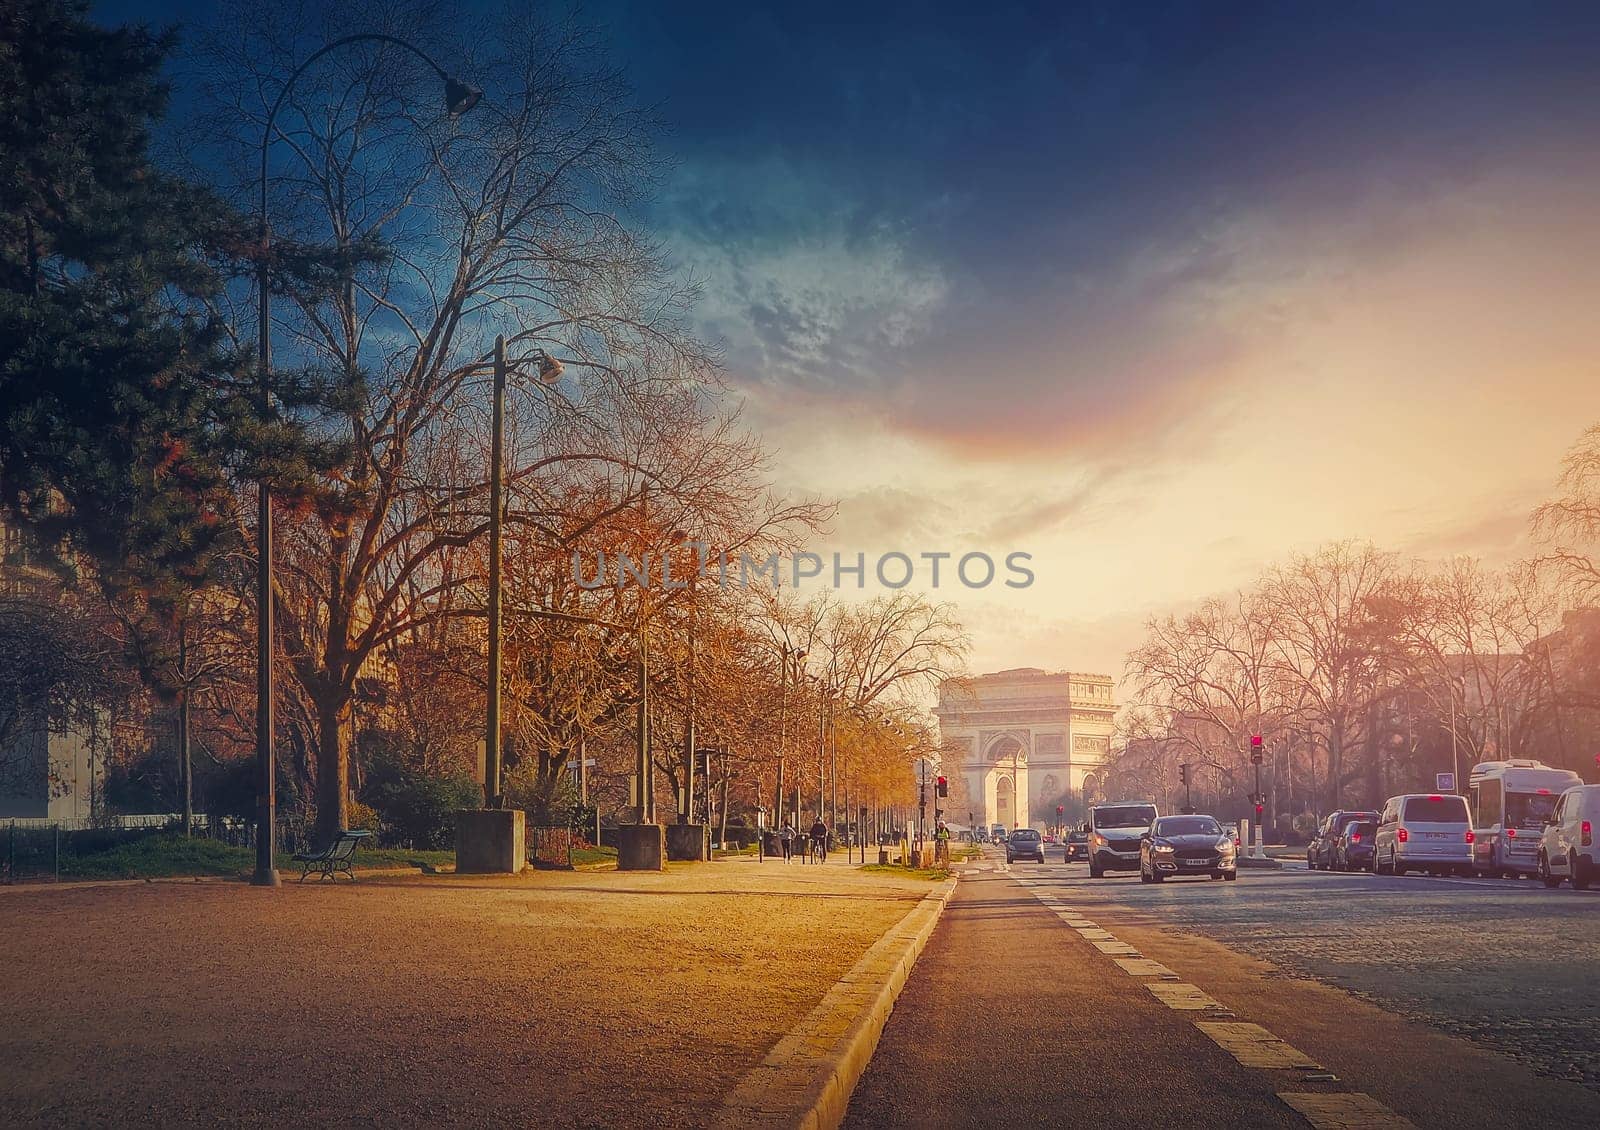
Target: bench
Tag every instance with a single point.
(333, 860)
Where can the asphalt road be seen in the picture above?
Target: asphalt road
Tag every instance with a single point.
(1502, 962)
(993, 1026)
(1013, 1016)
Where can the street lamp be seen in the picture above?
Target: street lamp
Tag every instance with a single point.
(548, 370)
(685, 815)
(459, 97)
(798, 655)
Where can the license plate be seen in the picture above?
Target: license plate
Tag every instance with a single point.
(1196, 862)
(1438, 835)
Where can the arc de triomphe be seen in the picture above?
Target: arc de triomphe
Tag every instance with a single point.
(1025, 740)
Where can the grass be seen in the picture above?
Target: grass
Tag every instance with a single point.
(167, 856)
(931, 874)
(593, 858)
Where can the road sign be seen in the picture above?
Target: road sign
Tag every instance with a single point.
(1444, 782)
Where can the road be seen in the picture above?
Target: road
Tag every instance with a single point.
(1502, 962)
(1016, 1015)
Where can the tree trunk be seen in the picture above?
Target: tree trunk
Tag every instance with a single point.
(333, 767)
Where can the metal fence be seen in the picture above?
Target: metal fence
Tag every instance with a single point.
(550, 846)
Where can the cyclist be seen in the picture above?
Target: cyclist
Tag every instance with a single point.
(819, 840)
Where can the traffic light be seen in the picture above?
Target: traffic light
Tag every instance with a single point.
(1255, 748)
(1259, 807)
(944, 785)
(1183, 774)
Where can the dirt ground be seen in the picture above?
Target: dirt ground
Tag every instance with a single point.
(587, 999)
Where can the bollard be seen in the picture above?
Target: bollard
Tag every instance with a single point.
(57, 828)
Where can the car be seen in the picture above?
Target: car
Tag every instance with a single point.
(1025, 843)
(1320, 852)
(997, 833)
(1114, 835)
(1077, 846)
(1187, 845)
(1429, 832)
(1231, 829)
(1353, 849)
(1567, 847)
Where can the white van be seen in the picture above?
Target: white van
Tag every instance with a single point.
(1510, 802)
(1429, 832)
(1567, 849)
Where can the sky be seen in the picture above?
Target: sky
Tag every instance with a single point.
(1156, 293)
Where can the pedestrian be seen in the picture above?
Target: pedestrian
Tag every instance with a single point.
(786, 841)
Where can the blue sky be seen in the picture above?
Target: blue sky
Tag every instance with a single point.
(1159, 292)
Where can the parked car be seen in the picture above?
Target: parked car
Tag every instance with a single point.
(1429, 832)
(1567, 848)
(1320, 852)
(1186, 845)
(1115, 831)
(1025, 843)
(1077, 846)
(1353, 849)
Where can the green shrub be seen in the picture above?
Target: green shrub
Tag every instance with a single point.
(416, 809)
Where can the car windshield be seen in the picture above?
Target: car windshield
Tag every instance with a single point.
(1436, 810)
(1024, 834)
(1187, 826)
(1529, 810)
(1125, 816)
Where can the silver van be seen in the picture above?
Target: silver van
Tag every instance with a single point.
(1429, 832)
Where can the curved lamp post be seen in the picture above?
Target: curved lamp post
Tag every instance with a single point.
(459, 98)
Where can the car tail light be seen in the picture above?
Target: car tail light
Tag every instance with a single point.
(1355, 837)
(1436, 798)
(1511, 833)
(1402, 835)
(1588, 834)
(1470, 835)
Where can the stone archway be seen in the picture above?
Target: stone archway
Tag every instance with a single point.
(1005, 802)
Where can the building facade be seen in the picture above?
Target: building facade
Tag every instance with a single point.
(1025, 741)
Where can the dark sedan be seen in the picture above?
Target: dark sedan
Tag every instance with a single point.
(1353, 851)
(1320, 853)
(1077, 846)
(1186, 845)
(1025, 843)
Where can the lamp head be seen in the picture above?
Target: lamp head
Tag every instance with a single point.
(550, 369)
(459, 97)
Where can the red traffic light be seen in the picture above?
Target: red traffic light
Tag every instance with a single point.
(1059, 810)
(943, 786)
(1258, 812)
(1255, 741)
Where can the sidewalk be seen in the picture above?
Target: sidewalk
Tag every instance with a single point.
(555, 998)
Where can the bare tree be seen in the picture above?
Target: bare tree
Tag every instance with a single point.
(509, 220)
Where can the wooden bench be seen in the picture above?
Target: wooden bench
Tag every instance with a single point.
(333, 860)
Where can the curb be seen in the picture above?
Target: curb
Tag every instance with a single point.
(806, 1080)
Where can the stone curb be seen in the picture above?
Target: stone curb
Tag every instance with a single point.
(806, 1080)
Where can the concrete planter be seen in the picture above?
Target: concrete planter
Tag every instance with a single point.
(641, 847)
(688, 842)
(491, 841)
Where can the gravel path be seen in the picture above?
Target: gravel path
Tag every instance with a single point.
(555, 999)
